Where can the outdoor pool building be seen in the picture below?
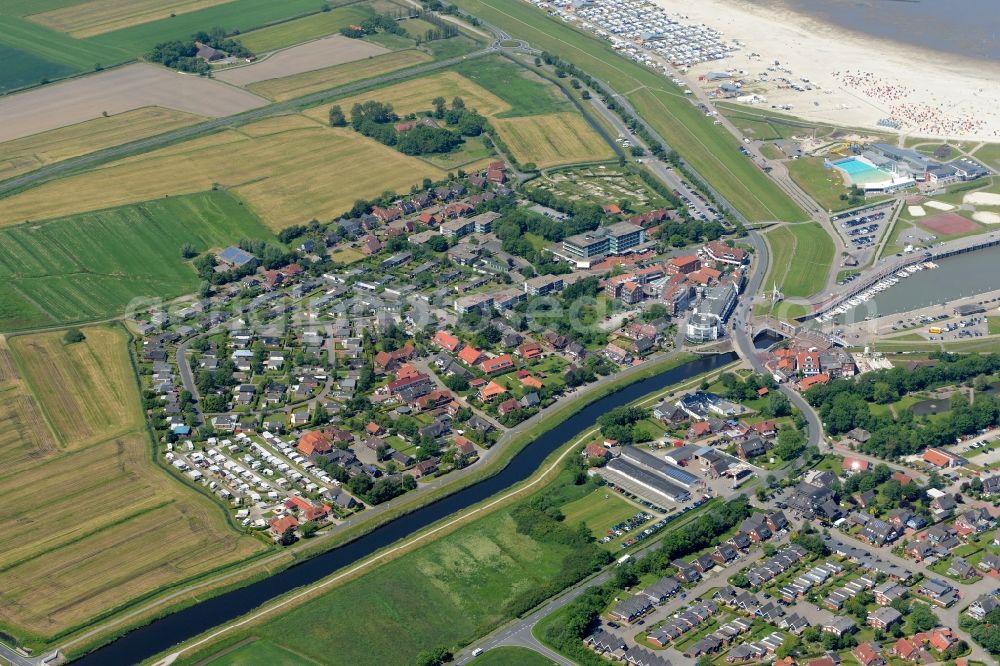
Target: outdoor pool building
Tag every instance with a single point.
(883, 167)
(871, 178)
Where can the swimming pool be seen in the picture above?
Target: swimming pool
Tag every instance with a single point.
(861, 171)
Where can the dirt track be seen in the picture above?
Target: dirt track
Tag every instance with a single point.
(321, 53)
(114, 91)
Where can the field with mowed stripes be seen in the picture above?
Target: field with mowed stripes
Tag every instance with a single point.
(90, 266)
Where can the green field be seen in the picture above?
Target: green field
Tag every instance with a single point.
(443, 594)
(31, 53)
(710, 150)
(304, 29)
(89, 266)
(526, 93)
(824, 185)
(260, 653)
(598, 511)
(801, 256)
(237, 16)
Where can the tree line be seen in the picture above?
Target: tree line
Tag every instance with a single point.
(182, 55)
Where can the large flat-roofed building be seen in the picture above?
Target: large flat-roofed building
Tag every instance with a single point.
(651, 482)
(481, 303)
(676, 474)
(457, 228)
(617, 238)
(543, 285)
(710, 313)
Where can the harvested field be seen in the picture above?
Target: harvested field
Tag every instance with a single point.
(313, 55)
(116, 91)
(87, 388)
(416, 95)
(29, 153)
(553, 139)
(25, 438)
(95, 17)
(948, 224)
(303, 29)
(102, 526)
(289, 87)
(287, 177)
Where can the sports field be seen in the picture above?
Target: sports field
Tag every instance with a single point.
(89, 266)
(93, 17)
(382, 618)
(304, 29)
(91, 524)
(297, 85)
(29, 153)
(553, 139)
(709, 149)
(86, 389)
(287, 177)
(801, 257)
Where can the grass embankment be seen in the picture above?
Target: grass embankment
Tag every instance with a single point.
(801, 257)
(709, 149)
(824, 185)
(101, 525)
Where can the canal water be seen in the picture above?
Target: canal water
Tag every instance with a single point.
(961, 275)
(166, 632)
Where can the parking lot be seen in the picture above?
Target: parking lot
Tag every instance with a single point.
(862, 229)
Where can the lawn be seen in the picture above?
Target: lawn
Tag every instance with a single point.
(471, 155)
(29, 153)
(101, 525)
(994, 325)
(93, 17)
(990, 155)
(710, 150)
(85, 389)
(287, 176)
(553, 139)
(260, 653)
(304, 29)
(466, 578)
(824, 185)
(289, 87)
(524, 91)
(599, 510)
(92, 265)
(801, 257)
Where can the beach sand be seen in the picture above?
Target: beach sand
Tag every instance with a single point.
(861, 79)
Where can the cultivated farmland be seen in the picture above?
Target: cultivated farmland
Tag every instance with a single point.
(115, 91)
(100, 525)
(25, 438)
(553, 139)
(287, 177)
(87, 388)
(317, 54)
(86, 19)
(29, 153)
(289, 87)
(303, 29)
(91, 265)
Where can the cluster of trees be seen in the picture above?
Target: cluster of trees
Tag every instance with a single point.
(441, 30)
(844, 404)
(737, 389)
(620, 424)
(372, 25)
(181, 55)
(986, 633)
(376, 120)
(381, 490)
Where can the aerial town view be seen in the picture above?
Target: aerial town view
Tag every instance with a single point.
(501, 332)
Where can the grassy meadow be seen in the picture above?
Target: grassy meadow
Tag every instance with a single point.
(824, 185)
(466, 577)
(709, 149)
(101, 524)
(91, 265)
(553, 139)
(801, 257)
(27, 154)
(304, 29)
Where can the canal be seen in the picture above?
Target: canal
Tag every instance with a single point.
(961, 275)
(161, 634)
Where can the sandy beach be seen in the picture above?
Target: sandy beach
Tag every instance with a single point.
(859, 80)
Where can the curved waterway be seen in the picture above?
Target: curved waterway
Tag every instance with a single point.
(168, 631)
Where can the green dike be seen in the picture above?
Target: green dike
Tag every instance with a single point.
(552, 470)
(712, 151)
